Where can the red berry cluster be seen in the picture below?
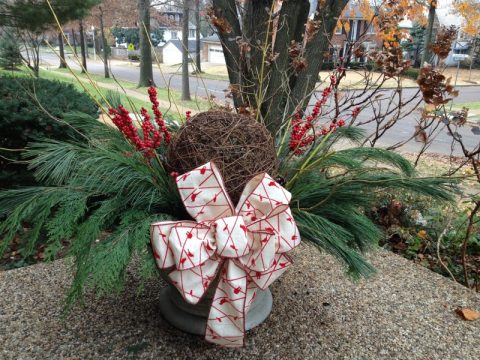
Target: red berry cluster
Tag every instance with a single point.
(123, 121)
(152, 94)
(356, 112)
(333, 126)
(151, 136)
(300, 139)
(188, 115)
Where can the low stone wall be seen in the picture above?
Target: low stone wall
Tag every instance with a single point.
(403, 312)
(124, 54)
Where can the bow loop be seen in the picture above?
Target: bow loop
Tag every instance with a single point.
(203, 194)
(262, 198)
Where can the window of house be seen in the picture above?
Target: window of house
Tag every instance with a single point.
(191, 33)
(339, 30)
(174, 35)
(370, 29)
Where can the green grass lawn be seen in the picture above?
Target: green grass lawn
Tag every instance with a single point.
(132, 103)
(163, 94)
(470, 105)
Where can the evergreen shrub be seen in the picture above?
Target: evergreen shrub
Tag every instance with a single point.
(34, 110)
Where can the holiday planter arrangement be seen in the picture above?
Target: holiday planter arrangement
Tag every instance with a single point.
(239, 249)
(215, 206)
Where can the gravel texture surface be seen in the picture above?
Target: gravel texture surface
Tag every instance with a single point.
(404, 312)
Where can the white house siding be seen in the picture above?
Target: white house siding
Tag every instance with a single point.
(171, 54)
(215, 54)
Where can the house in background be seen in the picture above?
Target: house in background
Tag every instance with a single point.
(172, 51)
(212, 50)
(175, 32)
(462, 45)
(359, 30)
(169, 21)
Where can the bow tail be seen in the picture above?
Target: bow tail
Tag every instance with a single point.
(194, 282)
(226, 320)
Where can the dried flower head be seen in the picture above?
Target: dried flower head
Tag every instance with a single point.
(222, 25)
(391, 60)
(311, 29)
(295, 53)
(435, 87)
(443, 42)
(460, 117)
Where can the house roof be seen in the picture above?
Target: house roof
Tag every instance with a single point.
(178, 44)
(353, 11)
(461, 45)
(212, 39)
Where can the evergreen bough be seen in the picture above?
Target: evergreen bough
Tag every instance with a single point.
(10, 56)
(102, 196)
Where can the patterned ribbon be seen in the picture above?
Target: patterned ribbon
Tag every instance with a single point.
(246, 244)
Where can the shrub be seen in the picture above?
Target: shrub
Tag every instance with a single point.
(327, 65)
(354, 65)
(27, 111)
(413, 226)
(412, 73)
(10, 56)
(133, 56)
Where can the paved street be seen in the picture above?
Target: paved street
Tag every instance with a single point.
(205, 87)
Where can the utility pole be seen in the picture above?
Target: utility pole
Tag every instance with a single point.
(197, 37)
(185, 54)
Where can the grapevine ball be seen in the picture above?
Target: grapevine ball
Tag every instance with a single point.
(239, 145)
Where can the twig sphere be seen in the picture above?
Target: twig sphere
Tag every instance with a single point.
(240, 147)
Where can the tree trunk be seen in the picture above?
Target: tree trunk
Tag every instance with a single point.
(427, 52)
(85, 43)
(36, 60)
(263, 71)
(472, 59)
(82, 47)
(197, 37)
(61, 50)
(74, 42)
(146, 69)
(185, 78)
(104, 46)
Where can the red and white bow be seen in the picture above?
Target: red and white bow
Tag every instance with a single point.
(246, 244)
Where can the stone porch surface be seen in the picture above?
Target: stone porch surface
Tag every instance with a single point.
(404, 312)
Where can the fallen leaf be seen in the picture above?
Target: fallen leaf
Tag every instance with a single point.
(468, 314)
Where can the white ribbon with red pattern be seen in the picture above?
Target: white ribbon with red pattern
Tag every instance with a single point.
(247, 244)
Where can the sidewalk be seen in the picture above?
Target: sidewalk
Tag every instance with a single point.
(404, 312)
